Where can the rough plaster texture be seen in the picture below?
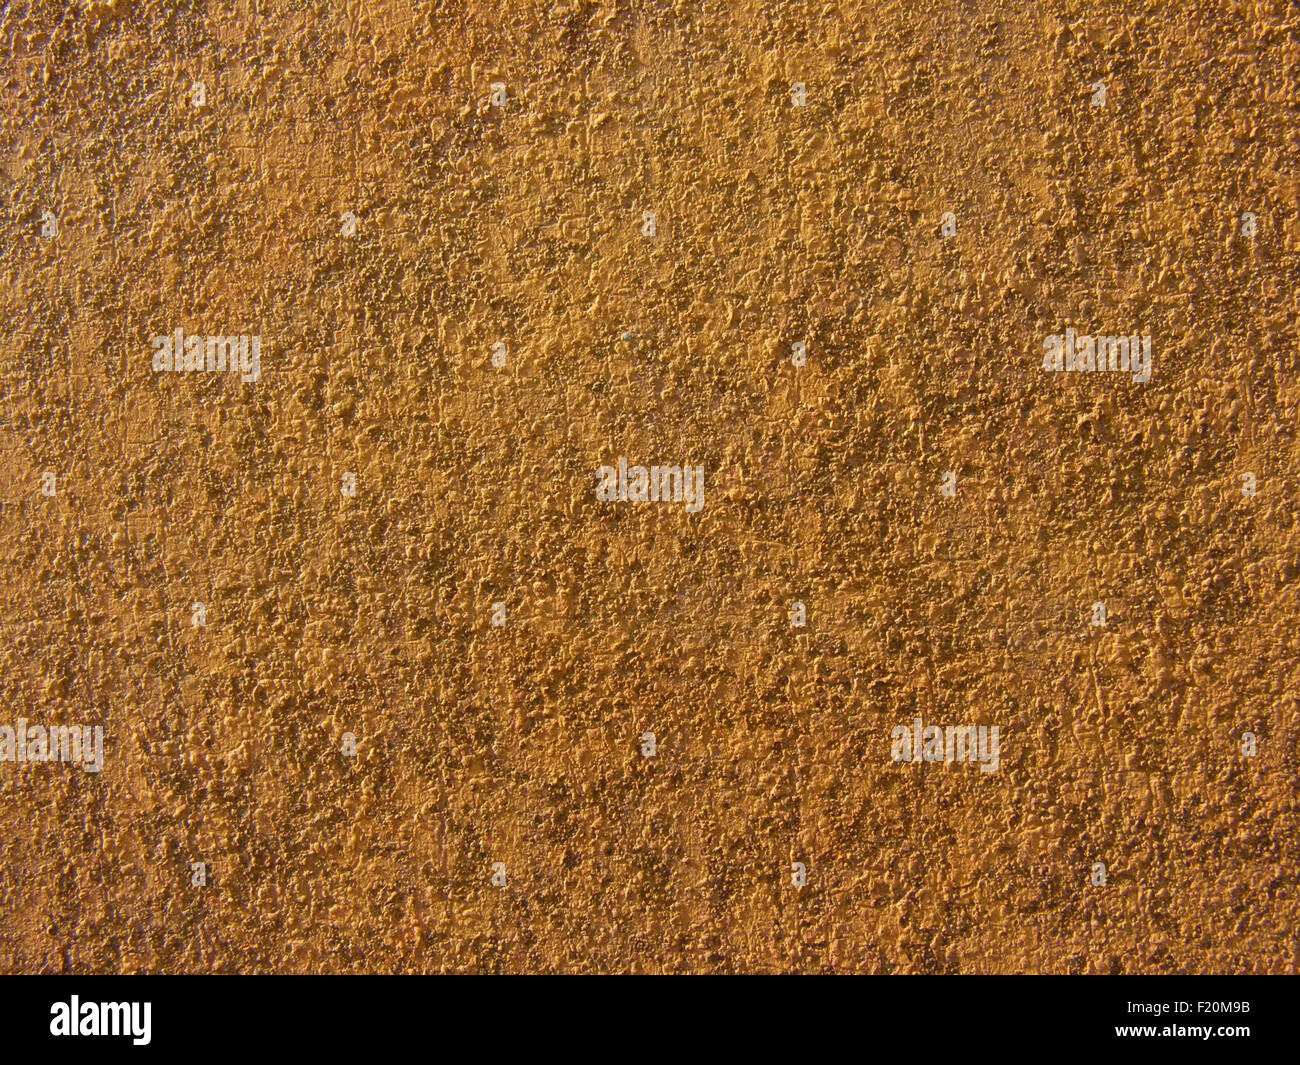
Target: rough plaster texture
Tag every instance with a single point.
(475, 484)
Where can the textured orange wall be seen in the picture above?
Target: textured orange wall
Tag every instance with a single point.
(520, 744)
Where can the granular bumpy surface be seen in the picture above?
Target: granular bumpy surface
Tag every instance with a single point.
(663, 487)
